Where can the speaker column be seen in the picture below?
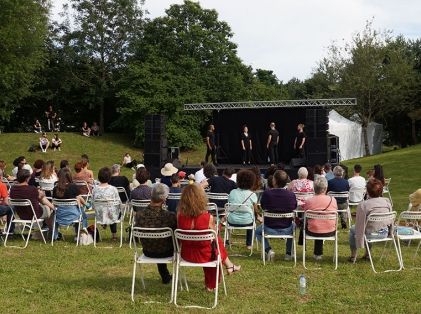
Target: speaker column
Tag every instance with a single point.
(155, 148)
(317, 125)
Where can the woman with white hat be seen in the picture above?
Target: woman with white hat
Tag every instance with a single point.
(167, 172)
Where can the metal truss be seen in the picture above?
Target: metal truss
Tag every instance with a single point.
(273, 104)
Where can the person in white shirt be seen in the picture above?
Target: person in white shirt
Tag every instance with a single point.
(356, 185)
(199, 176)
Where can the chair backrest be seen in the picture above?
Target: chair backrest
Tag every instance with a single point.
(212, 207)
(408, 215)
(194, 235)
(107, 203)
(357, 191)
(46, 186)
(152, 233)
(303, 195)
(21, 203)
(122, 191)
(174, 196)
(344, 194)
(388, 217)
(65, 202)
(235, 207)
(386, 184)
(140, 203)
(217, 196)
(321, 215)
(278, 215)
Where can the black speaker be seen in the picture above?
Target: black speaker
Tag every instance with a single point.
(155, 148)
(334, 153)
(317, 122)
(317, 150)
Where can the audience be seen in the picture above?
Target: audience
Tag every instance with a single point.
(37, 126)
(336, 185)
(86, 131)
(48, 173)
(199, 176)
(209, 171)
(222, 184)
(155, 216)
(302, 184)
(80, 175)
(356, 185)
(56, 143)
(36, 174)
(143, 191)
(167, 172)
(64, 164)
(134, 184)
(108, 215)
(267, 184)
(193, 215)
(175, 188)
(5, 209)
(318, 171)
(374, 230)
(328, 172)
(310, 175)
(120, 181)
(415, 201)
(320, 228)
(20, 162)
(259, 182)
(44, 143)
(85, 166)
(277, 200)
(378, 173)
(94, 129)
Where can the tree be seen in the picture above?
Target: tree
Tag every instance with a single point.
(23, 30)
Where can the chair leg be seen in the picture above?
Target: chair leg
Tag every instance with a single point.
(29, 235)
(8, 232)
(215, 303)
(172, 282)
(294, 247)
(177, 270)
(40, 230)
(223, 278)
(336, 252)
(398, 254)
(95, 233)
(263, 248)
(78, 232)
(134, 277)
(304, 249)
(121, 232)
(54, 230)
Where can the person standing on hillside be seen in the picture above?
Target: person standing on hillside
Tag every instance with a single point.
(51, 116)
(272, 144)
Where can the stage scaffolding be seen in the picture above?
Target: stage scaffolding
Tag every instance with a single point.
(301, 103)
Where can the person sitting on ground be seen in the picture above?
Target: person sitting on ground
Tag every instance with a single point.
(37, 126)
(374, 230)
(108, 215)
(120, 181)
(155, 216)
(36, 174)
(248, 199)
(144, 190)
(64, 164)
(128, 162)
(48, 172)
(356, 185)
(175, 188)
(222, 184)
(86, 131)
(192, 214)
(337, 185)
(199, 176)
(95, 129)
(66, 189)
(167, 172)
(42, 207)
(20, 162)
(44, 143)
(5, 209)
(3, 169)
(277, 200)
(259, 182)
(302, 184)
(56, 143)
(318, 171)
(415, 201)
(378, 173)
(328, 172)
(320, 228)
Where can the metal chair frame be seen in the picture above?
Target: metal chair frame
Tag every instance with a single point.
(411, 218)
(139, 204)
(67, 202)
(348, 209)
(386, 189)
(111, 202)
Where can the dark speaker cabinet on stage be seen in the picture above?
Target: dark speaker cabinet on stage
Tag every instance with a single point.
(334, 151)
(317, 150)
(317, 122)
(155, 148)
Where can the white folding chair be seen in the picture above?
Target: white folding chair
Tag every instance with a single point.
(386, 189)
(272, 215)
(122, 193)
(217, 197)
(303, 196)
(411, 220)
(47, 187)
(140, 258)
(87, 195)
(138, 205)
(174, 196)
(27, 224)
(198, 235)
(356, 192)
(214, 211)
(343, 195)
(385, 218)
(108, 204)
(321, 216)
(244, 208)
(61, 204)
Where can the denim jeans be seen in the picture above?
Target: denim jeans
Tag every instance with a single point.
(381, 234)
(7, 211)
(270, 231)
(249, 233)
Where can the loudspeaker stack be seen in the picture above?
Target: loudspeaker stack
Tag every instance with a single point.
(317, 125)
(155, 149)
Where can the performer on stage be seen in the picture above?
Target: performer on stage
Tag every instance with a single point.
(300, 141)
(210, 144)
(246, 145)
(272, 144)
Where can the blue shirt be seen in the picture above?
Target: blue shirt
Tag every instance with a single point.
(245, 215)
(329, 175)
(338, 185)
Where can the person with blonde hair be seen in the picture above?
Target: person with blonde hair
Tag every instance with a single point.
(300, 140)
(415, 201)
(48, 172)
(193, 215)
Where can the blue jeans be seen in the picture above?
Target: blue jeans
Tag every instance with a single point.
(7, 211)
(381, 234)
(270, 231)
(249, 232)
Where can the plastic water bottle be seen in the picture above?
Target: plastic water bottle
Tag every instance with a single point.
(303, 284)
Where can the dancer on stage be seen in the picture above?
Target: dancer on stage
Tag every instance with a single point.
(210, 144)
(300, 141)
(272, 144)
(246, 145)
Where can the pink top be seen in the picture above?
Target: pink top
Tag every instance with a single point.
(321, 203)
(301, 185)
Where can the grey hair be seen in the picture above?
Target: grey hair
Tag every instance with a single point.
(115, 168)
(320, 185)
(159, 192)
(302, 173)
(338, 171)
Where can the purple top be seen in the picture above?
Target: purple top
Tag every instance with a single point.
(278, 201)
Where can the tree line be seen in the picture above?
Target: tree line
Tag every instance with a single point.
(106, 61)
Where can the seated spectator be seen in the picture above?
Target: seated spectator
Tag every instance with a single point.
(378, 173)
(80, 175)
(37, 126)
(95, 129)
(128, 162)
(154, 216)
(134, 184)
(36, 174)
(319, 228)
(44, 143)
(175, 188)
(64, 164)
(328, 172)
(268, 184)
(310, 175)
(182, 175)
(85, 166)
(86, 131)
(20, 162)
(356, 185)
(167, 172)
(66, 189)
(5, 209)
(259, 182)
(3, 169)
(302, 184)
(209, 171)
(144, 190)
(120, 181)
(318, 171)
(277, 200)
(415, 201)
(245, 196)
(42, 207)
(370, 174)
(48, 172)
(199, 176)
(56, 143)
(193, 215)
(108, 215)
(339, 184)
(375, 230)
(222, 184)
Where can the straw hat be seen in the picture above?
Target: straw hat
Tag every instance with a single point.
(168, 170)
(415, 198)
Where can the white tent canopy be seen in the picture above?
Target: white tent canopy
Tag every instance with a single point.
(351, 143)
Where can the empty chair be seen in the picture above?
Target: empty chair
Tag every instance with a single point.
(409, 232)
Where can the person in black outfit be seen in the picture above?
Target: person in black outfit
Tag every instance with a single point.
(246, 145)
(222, 184)
(272, 144)
(51, 116)
(118, 181)
(299, 142)
(210, 144)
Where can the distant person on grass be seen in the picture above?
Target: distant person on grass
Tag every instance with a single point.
(95, 129)
(44, 143)
(56, 143)
(128, 161)
(86, 131)
(37, 126)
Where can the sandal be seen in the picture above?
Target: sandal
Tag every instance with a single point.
(233, 269)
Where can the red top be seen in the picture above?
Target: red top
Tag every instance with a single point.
(3, 193)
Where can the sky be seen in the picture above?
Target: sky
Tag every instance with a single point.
(290, 37)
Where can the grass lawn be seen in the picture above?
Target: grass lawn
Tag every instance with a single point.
(69, 279)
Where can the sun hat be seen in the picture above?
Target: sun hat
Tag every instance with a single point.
(168, 170)
(415, 198)
(140, 166)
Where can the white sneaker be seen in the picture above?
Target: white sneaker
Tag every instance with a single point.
(270, 256)
(317, 257)
(287, 257)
